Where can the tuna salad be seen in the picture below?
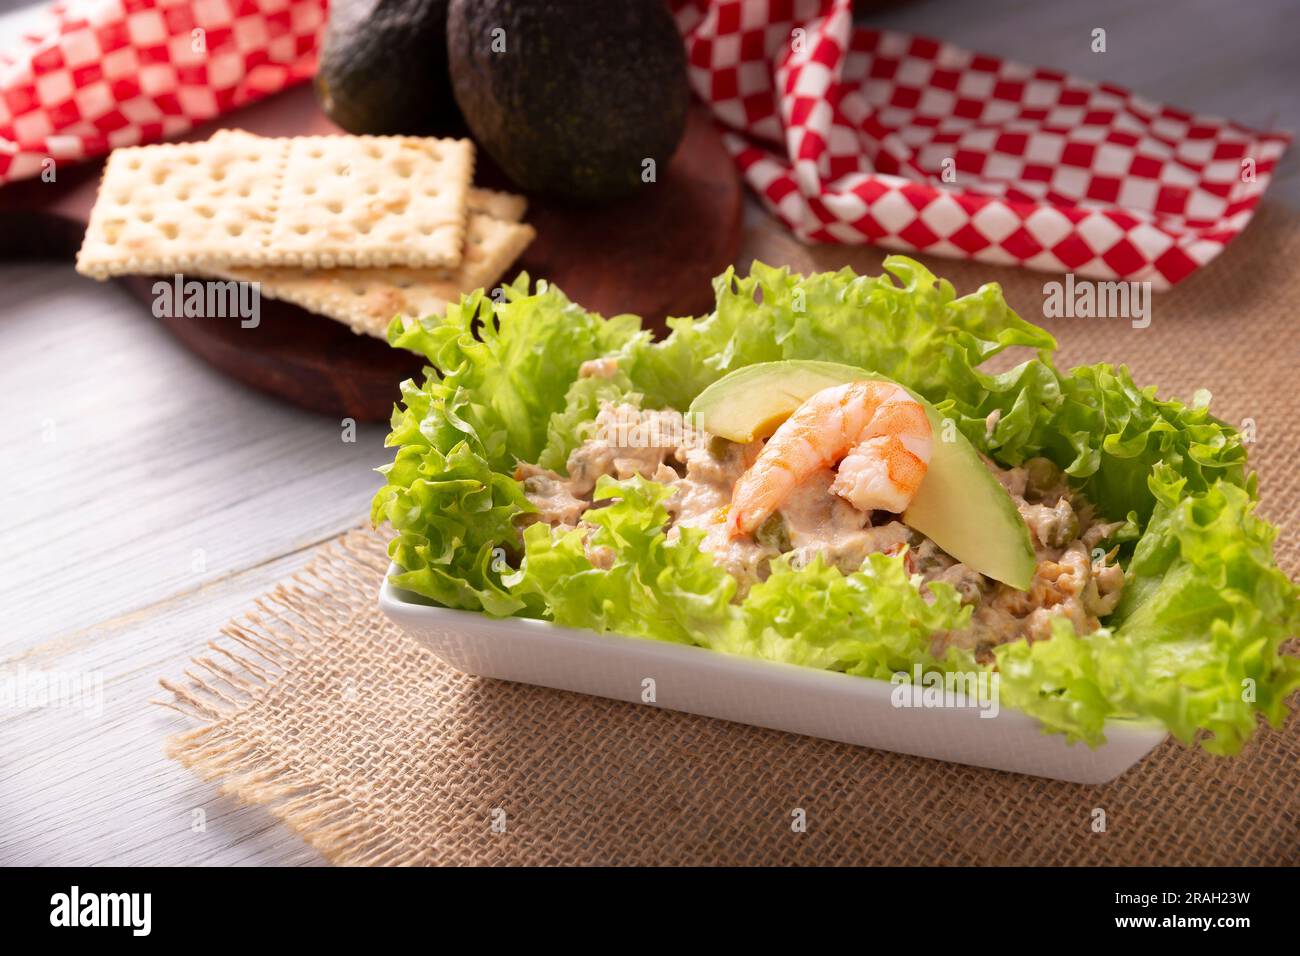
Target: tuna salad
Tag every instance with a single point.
(1074, 577)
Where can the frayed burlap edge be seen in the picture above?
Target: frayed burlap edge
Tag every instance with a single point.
(250, 657)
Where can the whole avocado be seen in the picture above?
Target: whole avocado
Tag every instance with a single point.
(383, 68)
(570, 98)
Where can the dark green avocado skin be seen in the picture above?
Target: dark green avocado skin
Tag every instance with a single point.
(383, 68)
(583, 94)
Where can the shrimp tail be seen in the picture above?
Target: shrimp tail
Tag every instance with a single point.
(757, 494)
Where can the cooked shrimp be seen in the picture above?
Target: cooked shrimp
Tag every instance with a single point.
(879, 435)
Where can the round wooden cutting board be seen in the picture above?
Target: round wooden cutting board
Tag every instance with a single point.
(653, 255)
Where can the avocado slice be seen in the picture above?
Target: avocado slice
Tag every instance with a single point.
(571, 99)
(960, 505)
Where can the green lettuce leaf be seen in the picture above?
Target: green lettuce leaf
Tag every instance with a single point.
(873, 622)
(454, 516)
(918, 332)
(571, 426)
(652, 587)
(498, 372)
(1108, 434)
(1208, 611)
(513, 360)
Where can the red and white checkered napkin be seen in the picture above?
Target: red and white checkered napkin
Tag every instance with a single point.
(90, 75)
(845, 133)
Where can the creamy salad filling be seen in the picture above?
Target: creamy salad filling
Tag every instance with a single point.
(1074, 577)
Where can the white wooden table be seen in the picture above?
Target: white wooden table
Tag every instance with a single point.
(146, 499)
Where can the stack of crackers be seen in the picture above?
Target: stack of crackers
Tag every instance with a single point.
(356, 228)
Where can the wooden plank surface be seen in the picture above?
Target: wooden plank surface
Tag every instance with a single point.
(145, 500)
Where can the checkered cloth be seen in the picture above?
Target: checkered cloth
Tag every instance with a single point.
(91, 75)
(847, 134)
(868, 136)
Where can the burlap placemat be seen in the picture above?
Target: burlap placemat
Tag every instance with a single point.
(375, 752)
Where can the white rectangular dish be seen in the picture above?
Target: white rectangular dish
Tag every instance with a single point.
(802, 700)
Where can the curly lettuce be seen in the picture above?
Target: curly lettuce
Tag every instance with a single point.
(1104, 431)
(918, 332)
(1196, 642)
(873, 622)
(644, 585)
(570, 427)
(498, 372)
